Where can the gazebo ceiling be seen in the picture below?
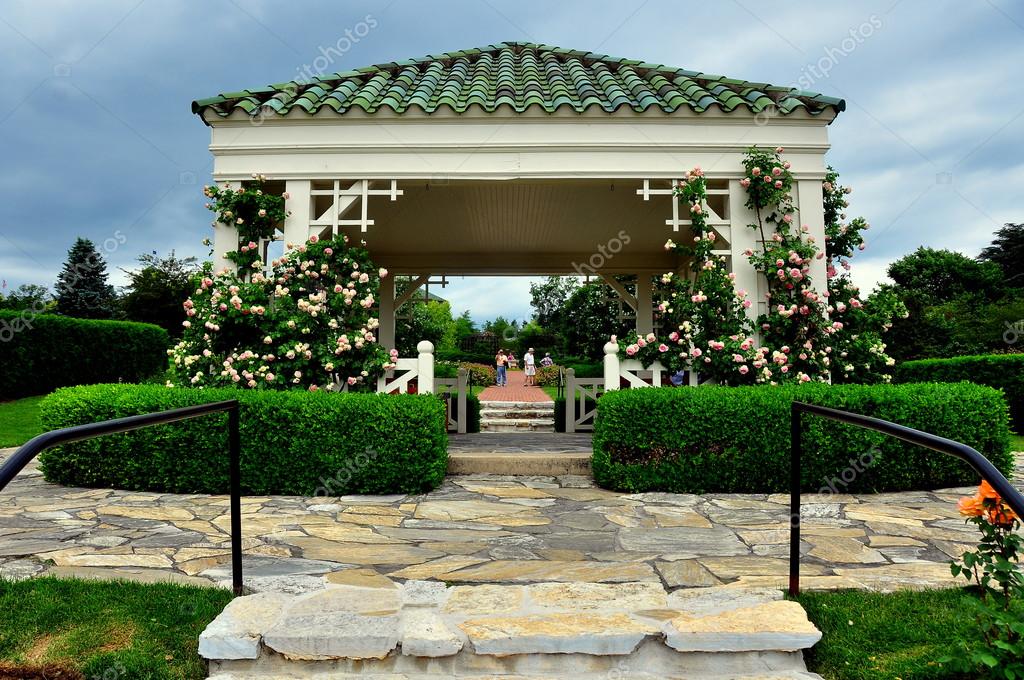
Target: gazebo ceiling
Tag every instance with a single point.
(515, 77)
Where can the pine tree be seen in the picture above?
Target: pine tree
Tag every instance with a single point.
(1007, 251)
(82, 289)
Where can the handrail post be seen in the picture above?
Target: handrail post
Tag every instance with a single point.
(235, 465)
(570, 400)
(794, 500)
(463, 378)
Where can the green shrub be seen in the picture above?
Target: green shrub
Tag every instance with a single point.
(560, 411)
(1002, 371)
(586, 370)
(40, 353)
(473, 412)
(293, 442)
(481, 374)
(736, 439)
(547, 376)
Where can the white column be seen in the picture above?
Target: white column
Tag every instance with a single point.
(225, 239)
(386, 298)
(296, 225)
(644, 304)
(425, 367)
(611, 366)
(743, 237)
(812, 213)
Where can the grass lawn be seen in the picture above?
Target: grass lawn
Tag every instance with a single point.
(106, 629)
(19, 421)
(876, 636)
(1016, 442)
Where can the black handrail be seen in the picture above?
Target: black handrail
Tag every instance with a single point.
(24, 455)
(980, 463)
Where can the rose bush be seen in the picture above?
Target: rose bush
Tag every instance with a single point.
(254, 213)
(806, 333)
(308, 323)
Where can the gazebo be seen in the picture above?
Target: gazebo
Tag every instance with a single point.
(518, 159)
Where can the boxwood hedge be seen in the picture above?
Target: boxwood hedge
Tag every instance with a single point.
(40, 353)
(293, 442)
(736, 439)
(1003, 371)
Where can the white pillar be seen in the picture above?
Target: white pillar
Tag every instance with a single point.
(296, 224)
(644, 304)
(386, 297)
(225, 239)
(741, 238)
(811, 204)
(425, 367)
(611, 366)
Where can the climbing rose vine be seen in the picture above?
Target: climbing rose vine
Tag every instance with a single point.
(308, 323)
(253, 212)
(802, 336)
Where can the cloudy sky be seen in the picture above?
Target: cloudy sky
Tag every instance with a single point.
(98, 140)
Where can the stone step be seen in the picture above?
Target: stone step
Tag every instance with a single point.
(381, 628)
(547, 464)
(517, 424)
(527, 414)
(633, 675)
(520, 405)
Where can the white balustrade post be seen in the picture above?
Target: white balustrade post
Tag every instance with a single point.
(296, 224)
(225, 239)
(611, 366)
(425, 366)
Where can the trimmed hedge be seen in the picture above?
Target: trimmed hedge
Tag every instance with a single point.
(473, 409)
(293, 442)
(1002, 371)
(43, 352)
(736, 439)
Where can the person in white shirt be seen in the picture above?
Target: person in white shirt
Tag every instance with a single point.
(531, 368)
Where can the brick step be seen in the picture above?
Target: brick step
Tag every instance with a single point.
(518, 405)
(426, 629)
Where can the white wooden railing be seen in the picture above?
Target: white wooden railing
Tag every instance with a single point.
(420, 367)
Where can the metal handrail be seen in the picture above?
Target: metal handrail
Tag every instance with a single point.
(982, 465)
(27, 452)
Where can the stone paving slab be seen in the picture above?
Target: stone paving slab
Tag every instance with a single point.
(487, 529)
(547, 629)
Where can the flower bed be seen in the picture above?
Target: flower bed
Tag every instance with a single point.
(736, 439)
(293, 442)
(40, 353)
(1003, 371)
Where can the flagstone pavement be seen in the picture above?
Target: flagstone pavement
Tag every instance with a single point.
(485, 529)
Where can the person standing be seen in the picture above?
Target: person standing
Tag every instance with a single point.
(531, 368)
(547, 360)
(501, 361)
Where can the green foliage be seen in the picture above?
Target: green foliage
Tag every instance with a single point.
(293, 443)
(994, 569)
(82, 290)
(29, 297)
(107, 629)
(1002, 371)
(46, 351)
(430, 320)
(157, 291)
(480, 374)
(882, 636)
(1007, 251)
(736, 439)
(254, 213)
(549, 298)
(591, 318)
(463, 328)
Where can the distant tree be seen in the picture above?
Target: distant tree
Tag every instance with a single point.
(549, 297)
(431, 320)
(943, 275)
(82, 289)
(156, 292)
(464, 327)
(1007, 251)
(505, 330)
(591, 318)
(27, 296)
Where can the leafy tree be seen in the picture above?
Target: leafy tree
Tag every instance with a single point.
(82, 289)
(431, 320)
(505, 330)
(1007, 251)
(593, 319)
(549, 297)
(157, 291)
(464, 327)
(27, 296)
(935, 276)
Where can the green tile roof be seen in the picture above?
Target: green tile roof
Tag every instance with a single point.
(520, 76)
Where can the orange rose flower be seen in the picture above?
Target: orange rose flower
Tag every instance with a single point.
(986, 492)
(971, 506)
